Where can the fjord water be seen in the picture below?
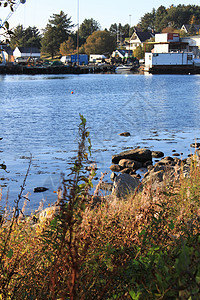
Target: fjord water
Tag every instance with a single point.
(40, 115)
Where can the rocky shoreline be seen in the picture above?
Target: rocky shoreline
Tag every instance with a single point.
(135, 168)
(127, 166)
(157, 170)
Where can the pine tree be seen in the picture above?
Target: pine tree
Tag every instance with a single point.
(56, 32)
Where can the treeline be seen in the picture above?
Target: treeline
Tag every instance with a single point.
(61, 36)
(174, 16)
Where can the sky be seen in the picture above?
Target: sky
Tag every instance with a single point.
(106, 12)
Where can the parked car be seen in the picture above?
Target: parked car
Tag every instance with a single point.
(21, 60)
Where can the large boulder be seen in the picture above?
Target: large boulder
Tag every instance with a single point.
(128, 163)
(124, 185)
(139, 154)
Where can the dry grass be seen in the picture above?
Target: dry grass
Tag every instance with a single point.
(113, 243)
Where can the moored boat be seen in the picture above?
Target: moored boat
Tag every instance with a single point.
(126, 68)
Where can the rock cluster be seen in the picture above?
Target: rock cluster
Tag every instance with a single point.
(128, 162)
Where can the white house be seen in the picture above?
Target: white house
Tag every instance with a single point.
(138, 38)
(122, 53)
(168, 42)
(193, 44)
(171, 54)
(26, 52)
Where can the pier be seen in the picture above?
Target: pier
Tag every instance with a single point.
(33, 70)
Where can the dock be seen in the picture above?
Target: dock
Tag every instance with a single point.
(61, 69)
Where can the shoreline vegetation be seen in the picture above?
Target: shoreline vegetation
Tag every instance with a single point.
(143, 244)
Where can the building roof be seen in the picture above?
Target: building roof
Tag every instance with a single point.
(7, 49)
(143, 35)
(28, 50)
(123, 52)
(187, 27)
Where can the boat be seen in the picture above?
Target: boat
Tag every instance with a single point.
(127, 68)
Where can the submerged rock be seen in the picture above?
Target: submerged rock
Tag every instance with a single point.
(125, 134)
(195, 145)
(40, 189)
(157, 154)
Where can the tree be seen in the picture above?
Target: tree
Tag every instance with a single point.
(139, 52)
(114, 28)
(100, 42)
(161, 20)
(87, 28)
(5, 3)
(17, 38)
(192, 30)
(32, 37)
(176, 16)
(148, 21)
(118, 33)
(49, 41)
(5, 27)
(29, 37)
(67, 47)
(63, 25)
(121, 32)
(56, 32)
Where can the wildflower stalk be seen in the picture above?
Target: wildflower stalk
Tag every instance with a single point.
(74, 201)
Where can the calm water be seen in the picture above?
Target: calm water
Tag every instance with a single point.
(40, 115)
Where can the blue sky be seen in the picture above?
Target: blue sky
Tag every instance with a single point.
(106, 12)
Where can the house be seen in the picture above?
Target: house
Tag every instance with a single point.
(191, 27)
(171, 55)
(168, 42)
(171, 42)
(122, 53)
(7, 53)
(26, 52)
(138, 38)
(193, 44)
